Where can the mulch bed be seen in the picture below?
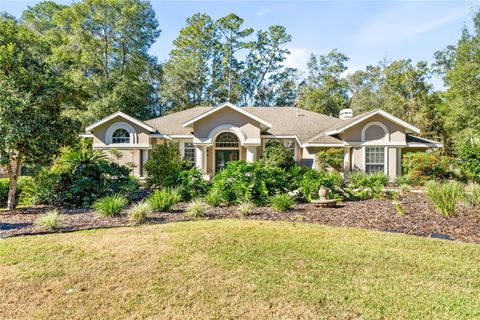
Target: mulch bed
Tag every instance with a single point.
(420, 218)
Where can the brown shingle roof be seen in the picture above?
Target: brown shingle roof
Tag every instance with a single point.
(285, 121)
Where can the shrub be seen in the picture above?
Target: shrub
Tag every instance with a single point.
(245, 208)
(213, 198)
(197, 208)
(472, 196)
(22, 185)
(192, 184)
(407, 179)
(427, 166)
(312, 180)
(164, 165)
(445, 196)
(163, 199)
(469, 154)
(331, 157)
(366, 186)
(276, 154)
(51, 220)
(110, 206)
(241, 181)
(139, 212)
(41, 189)
(281, 202)
(404, 189)
(398, 207)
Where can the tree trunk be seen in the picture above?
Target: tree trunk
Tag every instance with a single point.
(13, 175)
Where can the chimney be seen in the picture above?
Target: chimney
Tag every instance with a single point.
(346, 114)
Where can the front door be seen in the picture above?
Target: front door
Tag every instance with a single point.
(222, 157)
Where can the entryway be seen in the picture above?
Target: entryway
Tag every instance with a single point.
(222, 157)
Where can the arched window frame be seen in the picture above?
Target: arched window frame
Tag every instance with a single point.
(233, 142)
(121, 125)
(379, 124)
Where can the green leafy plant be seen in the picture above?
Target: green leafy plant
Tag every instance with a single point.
(426, 166)
(281, 202)
(365, 186)
(110, 206)
(472, 195)
(276, 154)
(398, 207)
(214, 198)
(192, 184)
(245, 208)
(445, 196)
(164, 199)
(331, 157)
(404, 189)
(311, 181)
(22, 192)
(469, 154)
(51, 220)
(197, 208)
(164, 165)
(139, 212)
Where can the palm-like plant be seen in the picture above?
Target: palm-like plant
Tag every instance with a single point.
(74, 158)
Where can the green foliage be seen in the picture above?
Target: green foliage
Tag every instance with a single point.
(51, 220)
(445, 196)
(164, 166)
(41, 189)
(214, 198)
(245, 208)
(365, 186)
(276, 154)
(192, 184)
(404, 189)
(22, 188)
(311, 181)
(110, 206)
(256, 182)
(139, 212)
(472, 195)
(164, 199)
(407, 179)
(398, 207)
(197, 208)
(281, 202)
(427, 166)
(469, 154)
(332, 157)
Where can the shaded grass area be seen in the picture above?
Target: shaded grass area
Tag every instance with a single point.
(238, 269)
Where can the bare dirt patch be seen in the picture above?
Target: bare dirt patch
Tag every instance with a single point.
(420, 218)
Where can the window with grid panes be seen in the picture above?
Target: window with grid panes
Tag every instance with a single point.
(374, 159)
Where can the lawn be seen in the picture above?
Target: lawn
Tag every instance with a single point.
(238, 269)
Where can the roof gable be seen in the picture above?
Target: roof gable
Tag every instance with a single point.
(223, 106)
(122, 115)
(346, 124)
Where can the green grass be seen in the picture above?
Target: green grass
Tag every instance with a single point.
(216, 269)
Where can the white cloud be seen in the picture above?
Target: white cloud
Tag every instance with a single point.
(402, 23)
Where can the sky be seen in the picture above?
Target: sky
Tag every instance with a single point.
(366, 31)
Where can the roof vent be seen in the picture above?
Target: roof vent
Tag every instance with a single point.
(346, 114)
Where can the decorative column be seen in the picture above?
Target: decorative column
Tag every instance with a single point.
(200, 155)
(346, 161)
(251, 153)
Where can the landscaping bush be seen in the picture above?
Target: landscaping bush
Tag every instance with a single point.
(192, 184)
(245, 208)
(365, 186)
(445, 196)
(197, 208)
(398, 207)
(469, 154)
(277, 155)
(214, 198)
(311, 181)
(51, 220)
(110, 206)
(472, 195)
(427, 166)
(256, 182)
(164, 199)
(331, 157)
(407, 179)
(22, 184)
(139, 212)
(281, 202)
(164, 166)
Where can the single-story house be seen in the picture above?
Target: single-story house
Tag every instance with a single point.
(210, 137)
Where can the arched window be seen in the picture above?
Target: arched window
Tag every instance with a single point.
(121, 136)
(226, 140)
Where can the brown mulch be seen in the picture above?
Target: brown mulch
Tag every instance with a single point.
(420, 218)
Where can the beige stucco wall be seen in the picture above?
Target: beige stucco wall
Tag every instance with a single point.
(354, 134)
(250, 127)
(129, 158)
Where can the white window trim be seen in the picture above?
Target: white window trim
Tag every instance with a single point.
(376, 123)
(121, 125)
(385, 158)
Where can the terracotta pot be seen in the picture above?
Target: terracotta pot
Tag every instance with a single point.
(322, 192)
